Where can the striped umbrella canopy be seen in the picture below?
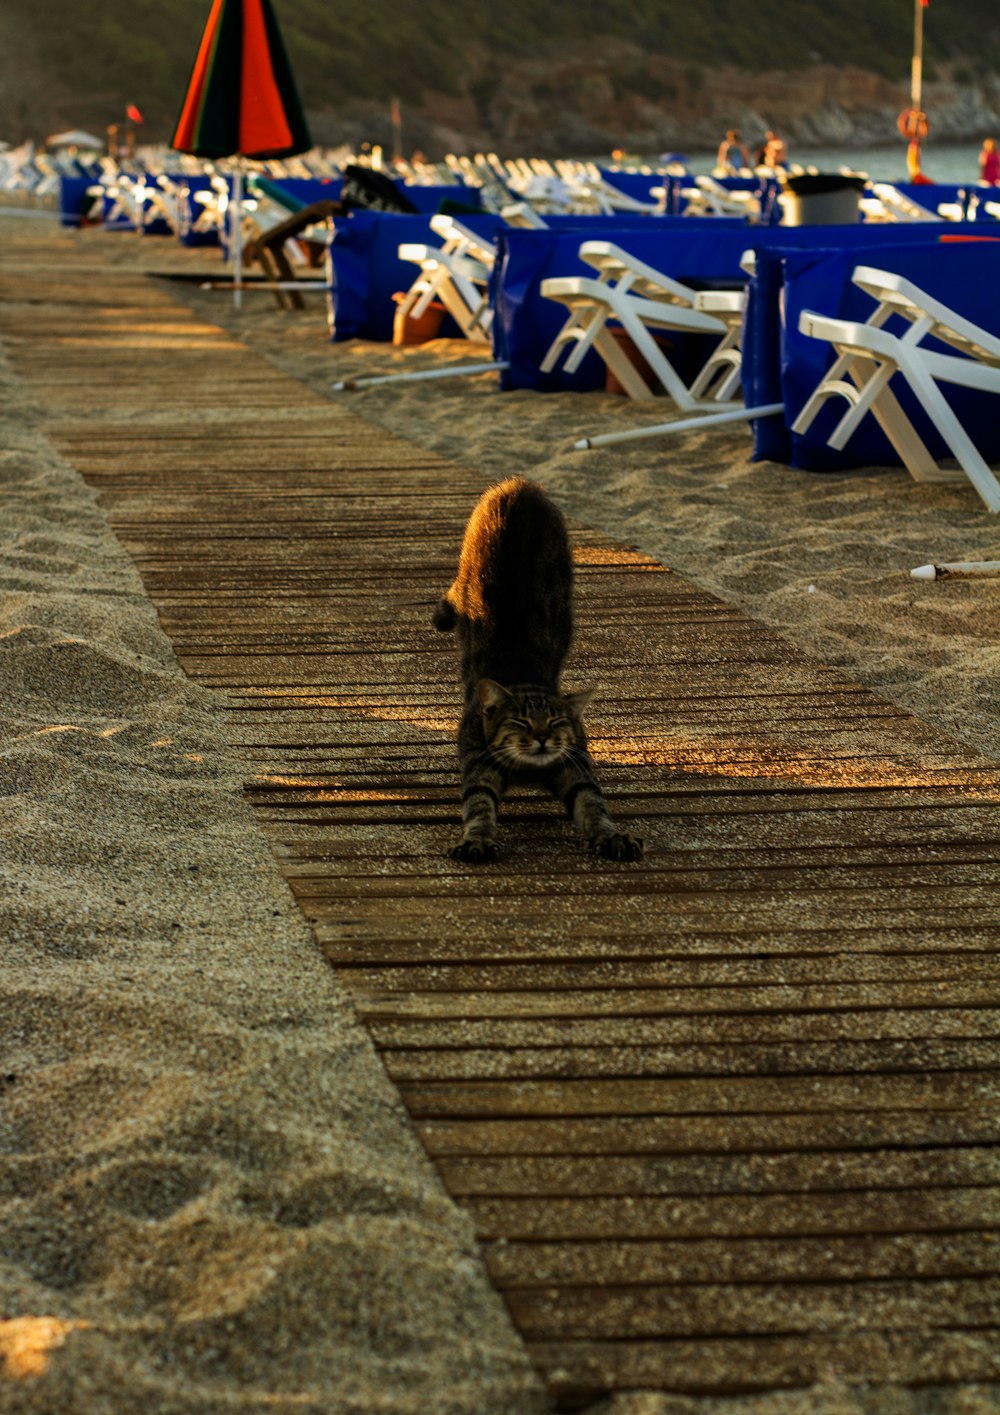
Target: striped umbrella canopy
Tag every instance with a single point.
(241, 98)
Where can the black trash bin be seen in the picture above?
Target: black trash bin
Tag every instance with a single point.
(821, 199)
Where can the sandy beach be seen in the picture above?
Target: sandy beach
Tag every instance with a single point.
(212, 1199)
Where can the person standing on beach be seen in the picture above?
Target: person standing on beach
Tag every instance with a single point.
(989, 162)
(772, 151)
(731, 148)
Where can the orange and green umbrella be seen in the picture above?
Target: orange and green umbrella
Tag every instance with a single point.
(241, 98)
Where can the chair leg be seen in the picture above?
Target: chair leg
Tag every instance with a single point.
(906, 440)
(870, 395)
(939, 411)
(588, 328)
(868, 391)
(565, 336)
(730, 390)
(830, 386)
(454, 304)
(286, 299)
(721, 370)
(425, 288)
(583, 324)
(660, 365)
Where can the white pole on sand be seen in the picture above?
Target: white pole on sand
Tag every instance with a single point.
(236, 232)
(958, 570)
(736, 415)
(369, 381)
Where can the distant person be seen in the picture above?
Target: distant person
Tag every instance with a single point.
(733, 155)
(989, 162)
(772, 151)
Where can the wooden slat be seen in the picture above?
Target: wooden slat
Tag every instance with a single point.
(718, 1216)
(578, 1371)
(751, 1309)
(576, 1138)
(798, 1059)
(680, 1262)
(813, 1171)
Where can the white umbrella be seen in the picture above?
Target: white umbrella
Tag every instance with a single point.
(75, 137)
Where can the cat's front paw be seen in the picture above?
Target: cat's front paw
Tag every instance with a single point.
(619, 847)
(475, 852)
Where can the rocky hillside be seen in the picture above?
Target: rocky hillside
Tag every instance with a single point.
(622, 98)
(566, 77)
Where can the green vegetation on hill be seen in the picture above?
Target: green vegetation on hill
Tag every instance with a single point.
(82, 63)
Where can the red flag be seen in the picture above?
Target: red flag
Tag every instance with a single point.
(132, 112)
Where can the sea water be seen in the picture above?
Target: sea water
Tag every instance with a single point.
(941, 162)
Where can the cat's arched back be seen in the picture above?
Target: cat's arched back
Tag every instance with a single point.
(511, 601)
(511, 606)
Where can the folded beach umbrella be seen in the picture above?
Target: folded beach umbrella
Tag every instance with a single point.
(241, 99)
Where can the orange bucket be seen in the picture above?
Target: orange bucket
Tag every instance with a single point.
(407, 330)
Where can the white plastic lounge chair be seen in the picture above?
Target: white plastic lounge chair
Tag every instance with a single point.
(710, 198)
(213, 205)
(869, 356)
(720, 378)
(550, 194)
(608, 199)
(638, 298)
(522, 213)
(888, 203)
(487, 174)
(456, 273)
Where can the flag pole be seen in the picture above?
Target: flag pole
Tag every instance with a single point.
(916, 91)
(396, 119)
(917, 66)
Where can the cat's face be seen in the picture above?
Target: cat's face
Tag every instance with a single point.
(530, 728)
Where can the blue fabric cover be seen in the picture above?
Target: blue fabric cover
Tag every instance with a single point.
(306, 190)
(639, 185)
(190, 237)
(965, 277)
(782, 365)
(636, 185)
(762, 328)
(73, 200)
(298, 192)
(431, 199)
(930, 196)
(702, 251)
(365, 270)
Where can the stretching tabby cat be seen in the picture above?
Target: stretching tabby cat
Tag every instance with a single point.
(511, 605)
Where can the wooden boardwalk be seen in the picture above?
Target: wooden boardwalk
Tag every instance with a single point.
(726, 1120)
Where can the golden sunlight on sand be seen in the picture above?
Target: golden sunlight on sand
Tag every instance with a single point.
(25, 1343)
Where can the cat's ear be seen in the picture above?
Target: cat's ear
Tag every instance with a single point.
(491, 694)
(578, 701)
